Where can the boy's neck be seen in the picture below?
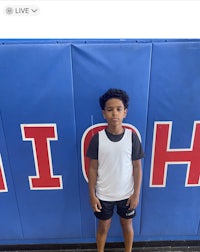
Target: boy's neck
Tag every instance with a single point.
(115, 130)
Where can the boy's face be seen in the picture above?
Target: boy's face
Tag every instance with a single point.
(114, 112)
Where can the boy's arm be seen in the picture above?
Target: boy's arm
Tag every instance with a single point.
(92, 179)
(137, 175)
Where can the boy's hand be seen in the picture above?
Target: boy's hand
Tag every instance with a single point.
(95, 204)
(133, 201)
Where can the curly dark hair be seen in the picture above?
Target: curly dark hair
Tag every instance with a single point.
(114, 93)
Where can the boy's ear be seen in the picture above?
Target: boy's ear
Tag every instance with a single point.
(125, 112)
(103, 113)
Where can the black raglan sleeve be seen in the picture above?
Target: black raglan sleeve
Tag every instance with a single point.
(92, 151)
(137, 150)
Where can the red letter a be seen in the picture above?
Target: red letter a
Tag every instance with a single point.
(3, 185)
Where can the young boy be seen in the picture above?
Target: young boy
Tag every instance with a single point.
(115, 171)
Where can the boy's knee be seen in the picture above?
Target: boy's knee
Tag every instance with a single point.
(104, 226)
(126, 224)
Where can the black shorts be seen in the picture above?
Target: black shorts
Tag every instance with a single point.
(108, 209)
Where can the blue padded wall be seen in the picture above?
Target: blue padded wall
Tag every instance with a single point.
(49, 93)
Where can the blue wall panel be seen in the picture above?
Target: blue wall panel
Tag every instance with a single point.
(10, 217)
(98, 67)
(36, 87)
(55, 85)
(173, 97)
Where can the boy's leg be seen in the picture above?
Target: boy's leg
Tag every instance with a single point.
(102, 231)
(126, 220)
(128, 233)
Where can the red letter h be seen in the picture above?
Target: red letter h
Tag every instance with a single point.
(162, 155)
